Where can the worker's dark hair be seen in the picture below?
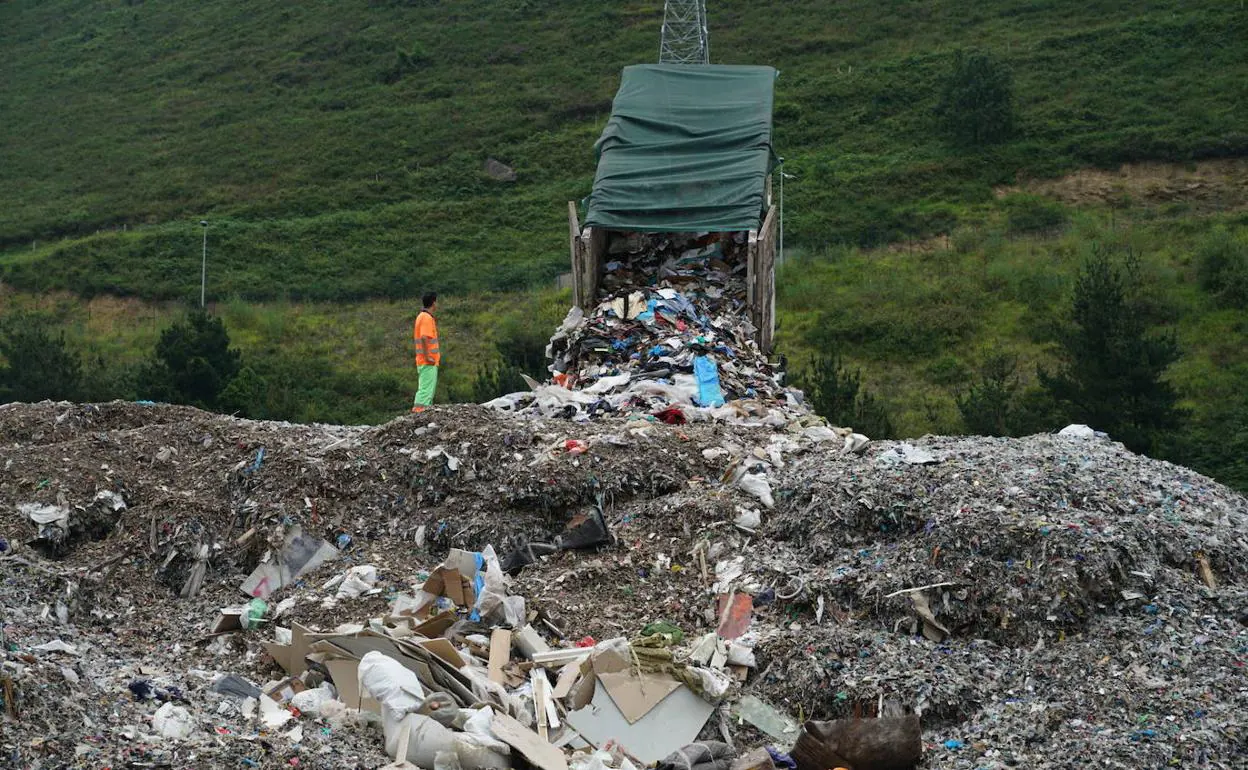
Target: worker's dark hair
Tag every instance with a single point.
(427, 301)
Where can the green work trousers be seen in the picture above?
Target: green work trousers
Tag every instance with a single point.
(428, 384)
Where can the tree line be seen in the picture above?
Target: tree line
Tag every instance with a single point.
(1110, 375)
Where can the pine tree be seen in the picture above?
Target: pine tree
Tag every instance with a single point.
(193, 362)
(37, 364)
(1112, 375)
(836, 394)
(987, 407)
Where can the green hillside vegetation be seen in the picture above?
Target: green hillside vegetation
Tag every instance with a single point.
(921, 323)
(338, 150)
(338, 147)
(322, 362)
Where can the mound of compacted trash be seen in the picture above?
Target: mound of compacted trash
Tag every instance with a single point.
(188, 589)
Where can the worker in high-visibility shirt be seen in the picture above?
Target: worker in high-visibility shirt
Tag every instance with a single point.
(428, 357)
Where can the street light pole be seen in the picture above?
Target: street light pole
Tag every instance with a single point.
(203, 268)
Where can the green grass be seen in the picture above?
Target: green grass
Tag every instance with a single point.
(345, 362)
(920, 325)
(337, 148)
(918, 322)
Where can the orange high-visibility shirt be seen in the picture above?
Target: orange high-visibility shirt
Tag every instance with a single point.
(427, 327)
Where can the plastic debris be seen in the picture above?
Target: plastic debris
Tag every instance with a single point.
(173, 722)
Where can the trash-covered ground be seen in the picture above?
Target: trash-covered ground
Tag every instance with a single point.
(1053, 601)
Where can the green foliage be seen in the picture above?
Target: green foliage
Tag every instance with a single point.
(837, 395)
(35, 363)
(193, 362)
(977, 100)
(105, 380)
(1112, 374)
(1222, 266)
(1035, 410)
(1026, 214)
(405, 63)
(323, 181)
(246, 395)
(1217, 442)
(987, 405)
(521, 350)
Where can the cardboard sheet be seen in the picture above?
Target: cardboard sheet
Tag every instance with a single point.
(436, 625)
(674, 723)
(452, 584)
(500, 654)
(291, 656)
(444, 650)
(568, 676)
(635, 695)
(346, 676)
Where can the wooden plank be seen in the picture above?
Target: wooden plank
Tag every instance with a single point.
(751, 279)
(539, 703)
(552, 713)
(765, 281)
(574, 247)
(528, 743)
(562, 656)
(500, 654)
(596, 238)
(568, 676)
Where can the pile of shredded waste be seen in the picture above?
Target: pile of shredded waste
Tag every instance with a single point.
(188, 589)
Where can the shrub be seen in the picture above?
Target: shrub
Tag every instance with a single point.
(1025, 214)
(521, 350)
(1222, 267)
(987, 406)
(246, 395)
(977, 100)
(836, 394)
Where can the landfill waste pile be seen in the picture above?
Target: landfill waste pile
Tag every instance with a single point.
(671, 338)
(464, 589)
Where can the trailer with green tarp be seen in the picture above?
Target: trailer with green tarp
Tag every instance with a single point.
(688, 148)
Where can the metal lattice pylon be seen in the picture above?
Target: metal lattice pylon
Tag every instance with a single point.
(685, 37)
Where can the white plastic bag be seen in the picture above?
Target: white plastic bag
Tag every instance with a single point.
(426, 740)
(474, 754)
(399, 692)
(173, 722)
(758, 486)
(393, 685)
(357, 581)
(748, 518)
(310, 701)
(478, 726)
(493, 601)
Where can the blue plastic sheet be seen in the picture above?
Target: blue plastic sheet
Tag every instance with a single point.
(707, 374)
(478, 585)
(647, 315)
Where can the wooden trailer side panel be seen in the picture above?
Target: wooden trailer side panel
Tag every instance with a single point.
(587, 250)
(761, 281)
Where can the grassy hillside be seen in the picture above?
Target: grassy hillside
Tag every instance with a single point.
(337, 147)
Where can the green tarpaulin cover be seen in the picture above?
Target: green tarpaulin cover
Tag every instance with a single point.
(687, 149)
